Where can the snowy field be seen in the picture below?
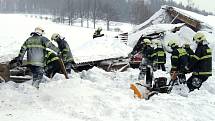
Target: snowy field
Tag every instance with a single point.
(93, 95)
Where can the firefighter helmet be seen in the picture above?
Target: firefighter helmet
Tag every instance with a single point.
(39, 30)
(172, 43)
(55, 36)
(147, 41)
(199, 37)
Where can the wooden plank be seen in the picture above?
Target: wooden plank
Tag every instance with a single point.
(190, 21)
(20, 79)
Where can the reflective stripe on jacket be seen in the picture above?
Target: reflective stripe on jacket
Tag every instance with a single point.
(159, 56)
(50, 57)
(36, 47)
(65, 51)
(179, 58)
(201, 62)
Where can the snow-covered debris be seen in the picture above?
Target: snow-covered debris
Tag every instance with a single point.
(164, 21)
(101, 48)
(156, 28)
(164, 16)
(157, 18)
(93, 95)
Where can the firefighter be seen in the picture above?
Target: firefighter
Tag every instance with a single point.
(146, 63)
(36, 46)
(52, 64)
(159, 56)
(179, 61)
(201, 65)
(189, 51)
(66, 53)
(97, 33)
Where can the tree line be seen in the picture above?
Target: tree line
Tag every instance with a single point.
(131, 11)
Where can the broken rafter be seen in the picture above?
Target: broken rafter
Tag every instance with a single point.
(177, 15)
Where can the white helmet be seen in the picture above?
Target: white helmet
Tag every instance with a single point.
(55, 36)
(39, 30)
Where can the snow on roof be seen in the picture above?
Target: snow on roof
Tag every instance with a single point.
(156, 18)
(159, 22)
(99, 49)
(157, 28)
(161, 16)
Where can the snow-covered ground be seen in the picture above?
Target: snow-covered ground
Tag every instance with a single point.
(93, 95)
(17, 28)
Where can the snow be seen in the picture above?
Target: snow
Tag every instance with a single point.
(109, 48)
(15, 32)
(156, 18)
(94, 95)
(156, 28)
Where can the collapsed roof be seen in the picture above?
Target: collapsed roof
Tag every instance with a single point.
(168, 18)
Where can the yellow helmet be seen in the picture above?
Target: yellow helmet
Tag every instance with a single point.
(199, 37)
(172, 43)
(55, 36)
(147, 41)
(39, 30)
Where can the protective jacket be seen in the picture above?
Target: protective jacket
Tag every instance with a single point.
(50, 57)
(52, 64)
(179, 58)
(36, 48)
(202, 61)
(147, 52)
(190, 54)
(65, 50)
(159, 56)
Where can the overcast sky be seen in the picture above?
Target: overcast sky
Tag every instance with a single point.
(208, 5)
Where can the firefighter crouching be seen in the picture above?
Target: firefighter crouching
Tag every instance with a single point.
(52, 64)
(66, 53)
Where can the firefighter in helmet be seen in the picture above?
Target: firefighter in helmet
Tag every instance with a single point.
(35, 46)
(201, 62)
(159, 56)
(66, 53)
(146, 63)
(179, 60)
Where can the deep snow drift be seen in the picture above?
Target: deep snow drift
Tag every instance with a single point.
(93, 95)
